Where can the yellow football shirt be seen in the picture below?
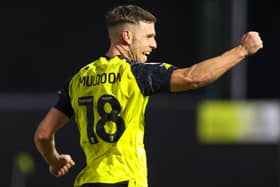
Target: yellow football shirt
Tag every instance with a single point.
(108, 98)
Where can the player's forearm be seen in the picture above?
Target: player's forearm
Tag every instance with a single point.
(45, 133)
(47, 149)
(208, 71)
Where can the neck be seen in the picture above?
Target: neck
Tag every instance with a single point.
(122, 50)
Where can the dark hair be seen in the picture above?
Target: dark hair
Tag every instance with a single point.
(128, 14)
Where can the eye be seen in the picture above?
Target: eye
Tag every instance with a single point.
(151, 36)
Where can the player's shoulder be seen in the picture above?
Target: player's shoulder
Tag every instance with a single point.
(87, 66)
(153, 65)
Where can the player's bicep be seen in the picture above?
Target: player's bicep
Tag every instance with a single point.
(179, 82)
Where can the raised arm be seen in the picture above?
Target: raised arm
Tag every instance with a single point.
(207, 71)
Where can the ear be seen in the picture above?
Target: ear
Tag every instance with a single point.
(126, 37)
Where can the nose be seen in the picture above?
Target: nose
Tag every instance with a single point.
(154, 44)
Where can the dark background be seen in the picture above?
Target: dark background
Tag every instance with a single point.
(43, 44)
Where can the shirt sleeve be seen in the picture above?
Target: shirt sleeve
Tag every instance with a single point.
(153, 77)
(64, 103)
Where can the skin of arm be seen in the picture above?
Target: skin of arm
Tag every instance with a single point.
(44, 139)
(207, 71)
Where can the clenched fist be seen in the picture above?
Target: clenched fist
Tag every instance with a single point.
(62, 165)
(251, 42)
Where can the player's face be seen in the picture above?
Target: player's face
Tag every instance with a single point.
(143, 41)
